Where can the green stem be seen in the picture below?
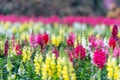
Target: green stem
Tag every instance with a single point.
(99, 71)
(1, 74)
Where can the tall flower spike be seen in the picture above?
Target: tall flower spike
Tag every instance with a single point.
(99, 58)
(39, 40)
(6, 47)
(71, 39)
(112, 43)
(79, 52)
(32, 39)
(45, 38)
(18, 48)
(13, 41)
(114, 30)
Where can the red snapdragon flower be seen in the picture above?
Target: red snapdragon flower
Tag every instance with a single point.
(6, 47)
(79, 52)
(112, 43)
(42, 39)
(99, 58)
(45, 38)
(71, 39)
(70, 42)
(114, 30)
(18, 49)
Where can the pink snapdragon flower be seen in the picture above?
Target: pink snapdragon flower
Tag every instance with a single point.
(71, 39)
(38, 40)
(92, 41)
(32, 40)
(42, 39)
(116, 52)
(99, 58)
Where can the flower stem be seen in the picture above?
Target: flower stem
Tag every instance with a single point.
(1, 74)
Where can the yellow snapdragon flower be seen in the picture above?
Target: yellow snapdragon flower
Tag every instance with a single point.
(116, 73)
(75, 43)
(56, 40)
(79, 39)
(26, 54)
(52, 66)
(113, 69)
(65, 73)
(44, 72)
(65, 69)
(38, 60)
(71, 71)
(59, 67)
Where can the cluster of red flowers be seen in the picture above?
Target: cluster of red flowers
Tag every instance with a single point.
(113, 38)
(78, 52)
(15, 46)
(99, 58)
(39, 39)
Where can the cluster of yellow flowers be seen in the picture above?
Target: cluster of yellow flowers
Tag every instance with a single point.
(113, 69)
(65, 69)
(26, 54)
(56, 40)
(52, 68)
(38, 61)
(49, 67)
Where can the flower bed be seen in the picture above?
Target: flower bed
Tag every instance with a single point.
(69, 48)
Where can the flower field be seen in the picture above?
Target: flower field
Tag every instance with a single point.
(53, 48)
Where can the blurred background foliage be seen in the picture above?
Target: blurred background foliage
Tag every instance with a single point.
(55, 7)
